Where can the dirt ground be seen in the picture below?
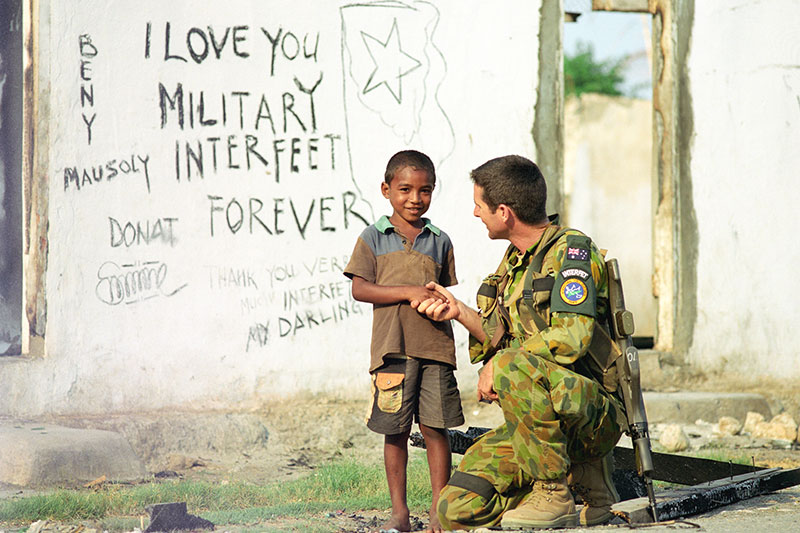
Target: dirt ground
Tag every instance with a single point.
(289, 439)
(333, 429)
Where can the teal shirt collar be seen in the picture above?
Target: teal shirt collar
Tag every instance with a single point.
(383, 225)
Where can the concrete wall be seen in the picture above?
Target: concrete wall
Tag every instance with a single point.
(210, 169)
(743, 74)
(607, 184)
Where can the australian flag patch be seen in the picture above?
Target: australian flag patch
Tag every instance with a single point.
(577, 254)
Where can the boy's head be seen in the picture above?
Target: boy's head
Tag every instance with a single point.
(408, 185)
(409, 158)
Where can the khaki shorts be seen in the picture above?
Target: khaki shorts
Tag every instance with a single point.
(408, 390)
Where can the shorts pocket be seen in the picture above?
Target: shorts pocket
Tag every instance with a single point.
(390, 391)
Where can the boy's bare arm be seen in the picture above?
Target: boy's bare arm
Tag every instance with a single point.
(365, 291)
(451, 308)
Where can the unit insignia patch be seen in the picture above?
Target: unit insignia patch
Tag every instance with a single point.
(573, 291)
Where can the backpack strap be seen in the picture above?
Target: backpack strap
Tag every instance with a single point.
(541, 284)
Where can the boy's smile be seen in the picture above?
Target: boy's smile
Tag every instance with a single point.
(410, 195)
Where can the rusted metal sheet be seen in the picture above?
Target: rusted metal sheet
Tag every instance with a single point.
(697, 499)
(682, 469)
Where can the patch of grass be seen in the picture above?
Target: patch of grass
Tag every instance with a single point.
(734, 456)
(347, 486)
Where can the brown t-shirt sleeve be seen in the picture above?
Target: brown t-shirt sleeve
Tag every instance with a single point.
(362, 263)
(447, 278)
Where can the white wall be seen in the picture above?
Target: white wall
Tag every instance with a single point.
(744, 76)
(215, 328)
(607, 183)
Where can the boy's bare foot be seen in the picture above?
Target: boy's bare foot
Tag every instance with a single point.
(434, 526)
(398, 523)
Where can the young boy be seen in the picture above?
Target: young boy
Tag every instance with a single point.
(412, 357)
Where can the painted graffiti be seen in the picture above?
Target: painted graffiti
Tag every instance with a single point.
(243, 109)
(136, 233)
(232, 278)
(133, 283)
(76, 177)
(289, 325)
(199, 157)
(230, 43)
(87, 51)
(276, 216)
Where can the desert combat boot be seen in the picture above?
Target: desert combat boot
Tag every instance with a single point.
(592, 482)
(549, 504)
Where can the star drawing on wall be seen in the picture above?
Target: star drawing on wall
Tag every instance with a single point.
(391, 62)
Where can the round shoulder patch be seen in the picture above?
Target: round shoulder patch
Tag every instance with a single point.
(573, 291)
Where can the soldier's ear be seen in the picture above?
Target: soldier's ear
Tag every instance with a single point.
(505, 212)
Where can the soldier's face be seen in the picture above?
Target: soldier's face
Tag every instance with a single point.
(493, 221)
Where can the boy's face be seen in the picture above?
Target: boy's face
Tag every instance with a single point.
(409, 193)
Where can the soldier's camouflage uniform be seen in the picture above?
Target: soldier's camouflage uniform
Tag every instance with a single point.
(554, 414)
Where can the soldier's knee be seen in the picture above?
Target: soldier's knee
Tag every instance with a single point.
(466, 502)
(459, 508)
(508, 361)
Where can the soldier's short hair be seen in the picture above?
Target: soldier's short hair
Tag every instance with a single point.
(515, 181)
(409, 158)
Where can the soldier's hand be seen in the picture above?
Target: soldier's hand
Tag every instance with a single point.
(486, 390)
(420, 294)
(436, 309)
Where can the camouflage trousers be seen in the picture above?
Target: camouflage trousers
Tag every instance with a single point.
(553, 417)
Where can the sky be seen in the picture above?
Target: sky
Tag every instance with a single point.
(616, 35)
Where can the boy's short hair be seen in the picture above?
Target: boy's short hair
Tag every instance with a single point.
(515, 181)
(409, 158)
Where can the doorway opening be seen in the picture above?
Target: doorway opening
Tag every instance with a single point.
(608, 146)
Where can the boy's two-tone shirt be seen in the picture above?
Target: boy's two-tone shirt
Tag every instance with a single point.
(384, 256)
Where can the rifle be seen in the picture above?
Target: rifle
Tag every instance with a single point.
(622, 326)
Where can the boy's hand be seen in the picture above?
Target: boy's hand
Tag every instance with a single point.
(420, 294)
(444, 307)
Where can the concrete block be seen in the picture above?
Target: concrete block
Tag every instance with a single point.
(36, 455)
(687, 407)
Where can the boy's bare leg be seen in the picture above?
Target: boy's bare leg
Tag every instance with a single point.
(439, 463)
(395, 459)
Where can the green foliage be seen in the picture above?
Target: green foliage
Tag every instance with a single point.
(346, 486)
(583, 73)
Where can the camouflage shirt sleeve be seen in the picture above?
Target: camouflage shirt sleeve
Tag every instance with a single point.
(479, 351)
(569, 335)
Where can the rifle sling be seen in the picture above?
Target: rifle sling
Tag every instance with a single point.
(531, 285)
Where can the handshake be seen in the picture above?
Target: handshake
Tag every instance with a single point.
(435, 302)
